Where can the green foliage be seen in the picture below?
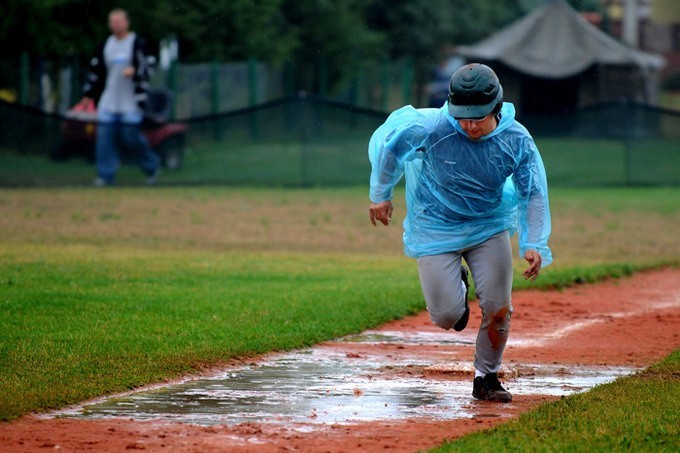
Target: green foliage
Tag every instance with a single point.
(425, 31)
(481, 19)
(269, 29)
(52, 28)
(329, 36)
(413, 28)
(222, 30)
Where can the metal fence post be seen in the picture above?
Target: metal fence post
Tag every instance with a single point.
(76, 82)
(214, 87)
(322, 76)
(628, 160)
(253, 97)
(358, 81)
(172, 86)
(252, 82)
(215, 98)
(289, 78)
(23, 80)
(385, 92)
(407, 80)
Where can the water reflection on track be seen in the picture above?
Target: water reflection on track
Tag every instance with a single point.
(326, 385)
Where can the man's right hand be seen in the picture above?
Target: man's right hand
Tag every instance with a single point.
(381, 212)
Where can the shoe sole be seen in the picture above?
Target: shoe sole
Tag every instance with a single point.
(497, 398)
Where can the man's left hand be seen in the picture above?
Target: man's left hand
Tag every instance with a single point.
(534, 259)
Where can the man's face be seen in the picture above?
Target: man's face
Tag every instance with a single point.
(475, 129)
(118, 23)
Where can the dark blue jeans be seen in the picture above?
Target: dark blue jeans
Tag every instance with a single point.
(116, 130)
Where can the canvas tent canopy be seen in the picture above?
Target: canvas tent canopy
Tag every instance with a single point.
(554, 42)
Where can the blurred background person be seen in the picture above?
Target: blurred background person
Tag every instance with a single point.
(117, 83)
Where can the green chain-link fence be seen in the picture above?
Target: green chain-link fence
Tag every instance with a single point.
(304, 140)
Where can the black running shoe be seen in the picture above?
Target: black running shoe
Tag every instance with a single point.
(462, 322)
(489, 388)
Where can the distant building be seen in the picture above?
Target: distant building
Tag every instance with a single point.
(656, 28)
(554, 60)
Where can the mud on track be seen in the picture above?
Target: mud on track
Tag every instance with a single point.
(628, 323)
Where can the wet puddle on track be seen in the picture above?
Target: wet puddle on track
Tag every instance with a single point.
(318, 386)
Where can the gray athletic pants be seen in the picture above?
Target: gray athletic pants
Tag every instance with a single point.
(490, 264)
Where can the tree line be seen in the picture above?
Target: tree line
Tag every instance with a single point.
(272, 31)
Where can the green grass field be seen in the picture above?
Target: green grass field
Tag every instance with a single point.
(102, 291)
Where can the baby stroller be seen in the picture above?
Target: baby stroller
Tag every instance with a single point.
(167, 138)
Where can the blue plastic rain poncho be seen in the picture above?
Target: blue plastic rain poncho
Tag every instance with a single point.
(459, 191)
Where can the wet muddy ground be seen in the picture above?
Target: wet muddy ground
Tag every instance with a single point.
(326, 385)
(404, 386)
